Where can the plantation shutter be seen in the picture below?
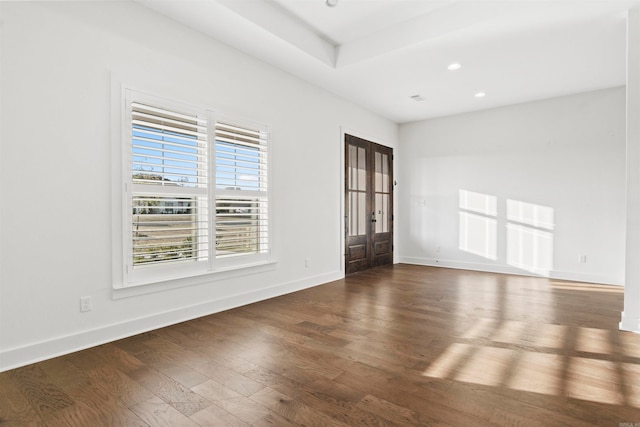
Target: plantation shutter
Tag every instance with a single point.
(195, 193)
(241, 219)
(169, 197)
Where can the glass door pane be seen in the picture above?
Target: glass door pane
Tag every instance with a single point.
(357, 191)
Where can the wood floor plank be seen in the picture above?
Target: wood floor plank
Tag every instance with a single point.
(337, 401)
(430, 404)
(231, 401)
(136, 343)
(115, 383)
(398, 345)
(170, 391)
(227, 355)
(118, 358)
(182, 374)
(157, 413)
(235, 381)
(214, 416)
(65, 373)
(274, 420)
(93, 407)
(15, 409)
(42, 393)
(294, 410)
(389, 411)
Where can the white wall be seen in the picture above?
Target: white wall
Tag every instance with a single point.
(630, 318)
(60, 63)
(561, 161)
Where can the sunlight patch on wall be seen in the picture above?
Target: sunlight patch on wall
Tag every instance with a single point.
(530, 237)
(530, 214)
(478, 225)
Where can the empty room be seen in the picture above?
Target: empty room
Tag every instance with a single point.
(320, 213)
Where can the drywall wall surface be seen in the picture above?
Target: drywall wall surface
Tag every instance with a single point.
(630, 317)
(63, 65)
(534, 189)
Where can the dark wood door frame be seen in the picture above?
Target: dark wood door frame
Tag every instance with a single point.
(369, 218)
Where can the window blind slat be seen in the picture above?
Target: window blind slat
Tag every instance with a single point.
(159, 111)
(234, 147)
(229, 158)
(181, 122)
(190, 146)
(244, 144)
(193, 156)
(239, 130)
(173, 131)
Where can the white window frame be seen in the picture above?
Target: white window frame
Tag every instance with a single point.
(177, 271)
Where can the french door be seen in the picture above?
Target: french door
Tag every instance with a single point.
(368, 204)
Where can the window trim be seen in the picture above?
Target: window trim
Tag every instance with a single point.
(178, 274)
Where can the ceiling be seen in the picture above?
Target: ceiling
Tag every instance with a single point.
(380, 53)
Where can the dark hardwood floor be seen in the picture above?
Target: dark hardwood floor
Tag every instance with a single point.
(398, 345)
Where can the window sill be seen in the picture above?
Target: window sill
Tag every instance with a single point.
(222, 273)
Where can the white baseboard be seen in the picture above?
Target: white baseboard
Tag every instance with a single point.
(36, 352)
(507, 269)
(630, 323)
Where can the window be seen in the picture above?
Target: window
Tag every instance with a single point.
(196, 196)
(241, 190)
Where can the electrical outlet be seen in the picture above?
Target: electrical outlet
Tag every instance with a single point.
(307, 262)
(85, 304)
(583, 259)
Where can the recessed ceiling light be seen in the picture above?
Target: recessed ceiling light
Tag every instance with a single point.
(480, 95)
(417, 98)
(455, 66)
(331, 3)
